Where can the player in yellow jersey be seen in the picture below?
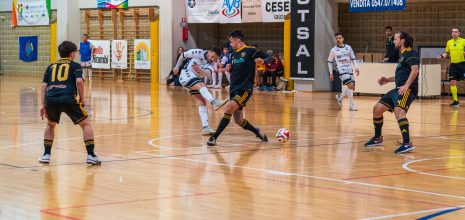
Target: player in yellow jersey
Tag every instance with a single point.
(455, 49)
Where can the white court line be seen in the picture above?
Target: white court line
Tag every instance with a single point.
(163, 148)
(64, 139)
(405, 167)
(320, 178)
(412, 213)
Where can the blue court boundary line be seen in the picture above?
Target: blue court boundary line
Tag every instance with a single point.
(439, 214)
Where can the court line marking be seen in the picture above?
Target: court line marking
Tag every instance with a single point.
(411, 171)
(151, 141)
(298, 184)
(322, 178)
(50, 211)
(434, 215)
(413, 213)
(72, 138)
(405, 166)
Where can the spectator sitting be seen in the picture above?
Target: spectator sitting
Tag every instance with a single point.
(272, 71)
(173, 80)
(224, 66)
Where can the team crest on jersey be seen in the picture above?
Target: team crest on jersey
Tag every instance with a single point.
(243, 54)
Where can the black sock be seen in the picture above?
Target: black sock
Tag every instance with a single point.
(403, 125)
(90, 144)
(378, 122)
(247, 126)
(48, 146)
(223, 124)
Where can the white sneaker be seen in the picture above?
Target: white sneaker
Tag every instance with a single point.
(93, 160)
(45, 158)
(218, 104)
(207, 131)
(353, 108)
(339, 100)
(217, 87)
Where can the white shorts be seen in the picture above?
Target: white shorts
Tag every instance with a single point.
(188, 79)
(87, 64)
(347, 78)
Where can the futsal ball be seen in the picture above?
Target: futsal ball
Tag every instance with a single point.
(282, 135)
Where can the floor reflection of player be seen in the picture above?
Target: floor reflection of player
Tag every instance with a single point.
(241, 199)
(53, 206)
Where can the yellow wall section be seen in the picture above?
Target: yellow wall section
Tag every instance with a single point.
(155, 47)
(287, 52)
(53, 42)
(155, 76)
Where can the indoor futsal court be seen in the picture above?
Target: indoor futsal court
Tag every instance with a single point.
(230, 109)
(156, 164)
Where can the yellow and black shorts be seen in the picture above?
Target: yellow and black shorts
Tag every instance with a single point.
(392, 99)
(68, 104)
(241, 97)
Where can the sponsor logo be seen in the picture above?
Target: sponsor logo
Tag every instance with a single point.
(213, 12)
(191, 3)
(231, 8)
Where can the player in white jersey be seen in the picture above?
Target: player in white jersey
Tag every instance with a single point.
(345, 58)
(199, 66)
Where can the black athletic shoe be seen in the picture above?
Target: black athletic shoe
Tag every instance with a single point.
(262, 136)
(374, 141)
(455, 104)
(211, 141)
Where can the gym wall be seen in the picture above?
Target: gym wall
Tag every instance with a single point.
(9, 52)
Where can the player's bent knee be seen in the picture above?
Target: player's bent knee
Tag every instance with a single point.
(379, 109)
(51, 124)
(84, 123)
(399, 112)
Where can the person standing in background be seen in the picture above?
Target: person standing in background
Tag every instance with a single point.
(86, 50)
(455, 49)
(392, 54)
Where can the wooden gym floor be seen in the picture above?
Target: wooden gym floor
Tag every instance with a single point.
(156, 166)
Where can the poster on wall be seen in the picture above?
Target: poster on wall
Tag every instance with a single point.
(142, 54)
(30, 13)
(302, 40)
(108, 4)
(275, 10)
(213, 11)
(203, 11)
(101, 59)
(251, 11)
(119, 54)
(28, 47)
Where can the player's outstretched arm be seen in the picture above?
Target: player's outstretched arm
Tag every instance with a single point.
(262, 57)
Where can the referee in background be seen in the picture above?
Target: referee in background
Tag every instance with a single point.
(455, 49)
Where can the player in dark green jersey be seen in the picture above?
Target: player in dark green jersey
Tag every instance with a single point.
(63, 91)
(242, 79)
(399, 99)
